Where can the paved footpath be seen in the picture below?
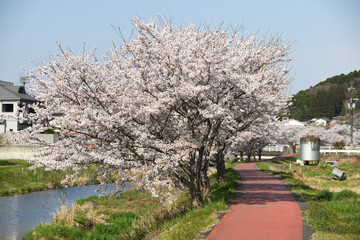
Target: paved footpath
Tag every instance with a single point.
(263, 208)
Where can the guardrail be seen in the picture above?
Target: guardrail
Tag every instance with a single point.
(336, 151)
(277, 148)
(333, 148)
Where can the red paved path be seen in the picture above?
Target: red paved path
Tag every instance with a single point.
(263, 208)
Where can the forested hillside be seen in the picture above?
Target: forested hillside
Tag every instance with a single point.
(326, 99)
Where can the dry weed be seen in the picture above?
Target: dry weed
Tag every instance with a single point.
(279, 167)
(67, 215)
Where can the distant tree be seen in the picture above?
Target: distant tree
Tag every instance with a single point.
(299, 108)
(327, 99)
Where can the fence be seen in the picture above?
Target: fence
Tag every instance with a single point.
(337, 151)
(275, 148)
(347, 150)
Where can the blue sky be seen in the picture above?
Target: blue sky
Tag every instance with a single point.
(325, 33)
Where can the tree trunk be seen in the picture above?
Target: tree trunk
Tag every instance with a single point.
(195, 193)
(260, 151)
(248, 156)
(195, 190)
(220, 166)
(206, 186)
(241, 156)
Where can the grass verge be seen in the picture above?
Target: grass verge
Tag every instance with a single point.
(17, 178)
(137, 215)
(334, 214)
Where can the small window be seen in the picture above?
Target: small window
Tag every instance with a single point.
(8, 107)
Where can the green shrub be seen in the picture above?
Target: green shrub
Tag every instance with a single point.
(339, 145)
(52, 232)
(6, 163)
(345, 195)
(325, 195)
(4, 193)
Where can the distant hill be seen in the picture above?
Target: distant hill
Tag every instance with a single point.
(326, 99)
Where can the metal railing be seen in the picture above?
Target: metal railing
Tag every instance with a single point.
(274, 148)
(337, 151)
(333, 148)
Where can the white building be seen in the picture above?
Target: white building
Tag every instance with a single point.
(11, 99)
(321, 122)
(292, 122)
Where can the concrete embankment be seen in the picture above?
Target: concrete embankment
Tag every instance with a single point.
(24, 152)
(16, 151)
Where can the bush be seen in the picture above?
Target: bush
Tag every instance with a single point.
(6, 163)
(325, 195)
(339, 145)
(51, 232)
(345, 195)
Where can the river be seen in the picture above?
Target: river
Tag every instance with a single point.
(21, 213)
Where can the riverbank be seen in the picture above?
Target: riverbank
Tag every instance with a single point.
(137, 215)
(334, 206)
(21, 213)
(17, 178)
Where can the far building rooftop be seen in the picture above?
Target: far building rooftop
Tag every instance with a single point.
(12, 98)
(10, 92)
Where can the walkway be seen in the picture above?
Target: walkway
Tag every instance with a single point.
(263, 208)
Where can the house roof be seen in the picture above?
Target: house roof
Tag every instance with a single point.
(4, 83)
(14, 93)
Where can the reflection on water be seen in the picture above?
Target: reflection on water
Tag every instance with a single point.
(21, 213)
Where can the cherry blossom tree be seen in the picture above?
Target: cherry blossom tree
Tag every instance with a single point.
(156, 108)
(291, 133)
(266, 130)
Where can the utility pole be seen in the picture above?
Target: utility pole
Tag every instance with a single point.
(351, 106)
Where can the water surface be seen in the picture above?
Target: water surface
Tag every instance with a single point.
(21, 213)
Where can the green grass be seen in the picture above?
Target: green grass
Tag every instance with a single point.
(17, 178)
(286, 160)
(101, 218)
(335, 215)
(6, 163)
(335, 212)
(189, 226)
(137, 215)
(120, 225)
(51, 232)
